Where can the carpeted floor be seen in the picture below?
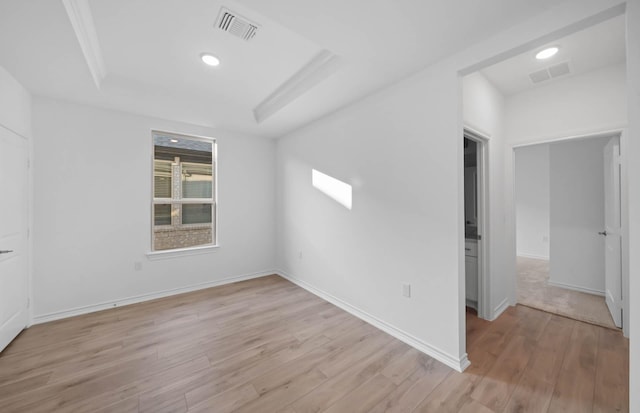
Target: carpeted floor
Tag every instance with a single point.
(533, 291)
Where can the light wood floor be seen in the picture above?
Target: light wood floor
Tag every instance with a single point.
(266, 345)
(534, 291)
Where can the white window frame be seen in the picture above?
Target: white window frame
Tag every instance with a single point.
(182, 201)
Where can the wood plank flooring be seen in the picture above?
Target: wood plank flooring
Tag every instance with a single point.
(266, 345)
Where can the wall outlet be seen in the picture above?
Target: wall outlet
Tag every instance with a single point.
(406, 290)
(545, 238)
(299, 254)
(137, 266)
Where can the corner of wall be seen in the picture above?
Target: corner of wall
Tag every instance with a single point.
(457, 363)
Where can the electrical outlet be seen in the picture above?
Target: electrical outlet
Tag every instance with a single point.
(137, 266)
(545, 239)
(299, 254)
(406, 290)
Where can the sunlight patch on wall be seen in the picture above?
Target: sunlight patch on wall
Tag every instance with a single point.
(332, 187)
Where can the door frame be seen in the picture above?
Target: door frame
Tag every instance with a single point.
(511, 207)
(484, 307)
(28, 242)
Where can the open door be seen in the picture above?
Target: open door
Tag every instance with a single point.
(612, 231)
(13, 236)
(475, 219)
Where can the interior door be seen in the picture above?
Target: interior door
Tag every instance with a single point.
(13, 236)
(612, 231)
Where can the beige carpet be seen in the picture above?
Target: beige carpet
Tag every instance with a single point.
(533, 291)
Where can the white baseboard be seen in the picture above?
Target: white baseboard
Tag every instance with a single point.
(39, 319)
(500, 308)
(576, 288)
(458, 364)
(534, 256)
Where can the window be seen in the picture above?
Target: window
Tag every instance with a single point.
(184, 193)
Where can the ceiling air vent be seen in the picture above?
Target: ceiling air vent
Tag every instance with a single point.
(550, 72)
(539, 76)
(559, 69)
(236, 25)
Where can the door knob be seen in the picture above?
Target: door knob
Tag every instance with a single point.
(603, 233)
(5, 251)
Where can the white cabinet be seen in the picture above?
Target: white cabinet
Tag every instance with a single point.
(471, 273)
(471, 249)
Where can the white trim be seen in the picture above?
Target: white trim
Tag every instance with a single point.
(624, 223)
(181, 252)
(602, 132)
(534, 256)
(475, 130)
(576, 288)
(458, 364)
(199, 249)
(504, 304)
(144, 297)
(79, 13)
(483, 225)
(30, 220)
(319, 68)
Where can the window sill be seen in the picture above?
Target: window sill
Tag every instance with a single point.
(181, 252)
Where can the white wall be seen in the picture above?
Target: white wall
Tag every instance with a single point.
(401, 149)
(576, 105)
(532, 201)
(92, 209)
(579, 105)
(633, 154)
(577, 214)
(483, 111)
(404, 225)
(15, 105)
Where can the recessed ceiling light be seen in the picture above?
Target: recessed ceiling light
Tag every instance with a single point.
(210, 59)
(546, 53)
(174, 141)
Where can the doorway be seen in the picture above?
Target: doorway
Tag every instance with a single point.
(13, 236)
(567, 193)
(519, 100)
(474, 146)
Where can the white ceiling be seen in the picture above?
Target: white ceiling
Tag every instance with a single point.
(151, 48)
(587, 50)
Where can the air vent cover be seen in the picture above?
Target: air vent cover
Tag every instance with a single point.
(550, 72)
(539, 76)
(559, 69)
(236, 25)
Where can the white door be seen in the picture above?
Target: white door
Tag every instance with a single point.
(612, 231)
(13, 236)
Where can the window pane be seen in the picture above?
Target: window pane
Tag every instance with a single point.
(197, 180)
(183, 168)
(196, 213)
(168, 148)
(161, 179)
(162, 214)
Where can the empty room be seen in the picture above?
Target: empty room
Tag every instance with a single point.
(297, 206)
